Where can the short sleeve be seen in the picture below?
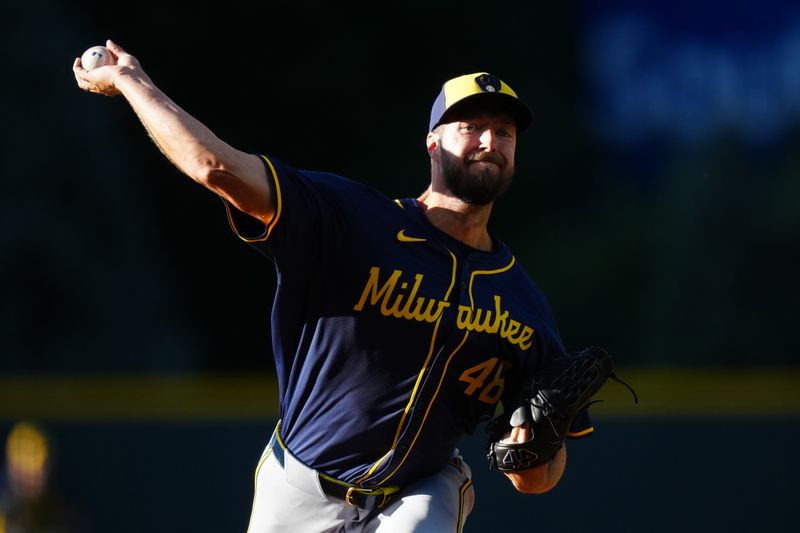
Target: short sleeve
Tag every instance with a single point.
(582, 425)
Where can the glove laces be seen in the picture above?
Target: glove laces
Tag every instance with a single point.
(615, 378)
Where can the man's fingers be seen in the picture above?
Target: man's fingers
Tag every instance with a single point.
(517, 435)
(77, 70)
(115, 48)
(520, 434)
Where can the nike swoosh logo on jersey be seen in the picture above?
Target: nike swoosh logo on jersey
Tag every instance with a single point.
(402, 237)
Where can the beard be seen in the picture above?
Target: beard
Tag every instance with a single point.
(473, 182)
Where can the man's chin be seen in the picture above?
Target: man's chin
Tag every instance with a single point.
(480, 197)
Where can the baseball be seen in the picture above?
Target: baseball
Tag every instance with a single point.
(96, 57)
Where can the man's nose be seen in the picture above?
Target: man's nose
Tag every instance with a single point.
(488, 140)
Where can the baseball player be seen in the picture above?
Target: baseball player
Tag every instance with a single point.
(398, 325)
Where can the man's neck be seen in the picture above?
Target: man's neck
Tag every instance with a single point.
(462, 221)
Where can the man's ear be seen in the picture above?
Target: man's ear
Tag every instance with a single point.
(432, 142)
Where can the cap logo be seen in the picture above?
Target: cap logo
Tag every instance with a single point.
(488, 83)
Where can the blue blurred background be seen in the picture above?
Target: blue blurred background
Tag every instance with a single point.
(655, 202)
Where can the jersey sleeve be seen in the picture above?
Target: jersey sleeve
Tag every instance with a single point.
(246, 227)
(582, 426)
(306, 220)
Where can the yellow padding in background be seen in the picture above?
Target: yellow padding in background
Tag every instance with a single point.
(662, 392)
(702, 392)
(138, 397)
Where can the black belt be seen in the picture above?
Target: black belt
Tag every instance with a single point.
(366, 499)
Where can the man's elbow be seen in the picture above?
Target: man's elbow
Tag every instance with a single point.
(249, 196)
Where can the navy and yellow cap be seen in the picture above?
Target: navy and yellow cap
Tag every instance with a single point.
(475, 88)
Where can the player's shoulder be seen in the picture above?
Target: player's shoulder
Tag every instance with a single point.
(350, 191)
(329, 183)
(334, 180)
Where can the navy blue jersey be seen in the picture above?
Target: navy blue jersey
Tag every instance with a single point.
(391, 339)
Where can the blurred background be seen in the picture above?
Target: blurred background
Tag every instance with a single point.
(655, 202)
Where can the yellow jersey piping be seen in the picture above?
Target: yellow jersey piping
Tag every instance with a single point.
(275, 216)
(580, 433)
(414, 392)
(446, 365)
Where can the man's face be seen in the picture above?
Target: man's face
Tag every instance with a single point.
(477, 157)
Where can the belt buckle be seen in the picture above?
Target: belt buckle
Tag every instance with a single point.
(349, 494)
(375, 493)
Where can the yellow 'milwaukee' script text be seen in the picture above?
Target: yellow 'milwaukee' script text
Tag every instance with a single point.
(394, 298)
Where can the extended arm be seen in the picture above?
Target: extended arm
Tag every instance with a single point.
(237, 176)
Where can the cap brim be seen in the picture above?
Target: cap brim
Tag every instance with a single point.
(518, 109)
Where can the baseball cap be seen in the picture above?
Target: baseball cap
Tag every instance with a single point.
(474, 88)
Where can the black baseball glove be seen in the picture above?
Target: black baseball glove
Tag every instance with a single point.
(557, 394)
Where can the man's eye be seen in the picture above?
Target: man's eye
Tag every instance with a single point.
(470, 127)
